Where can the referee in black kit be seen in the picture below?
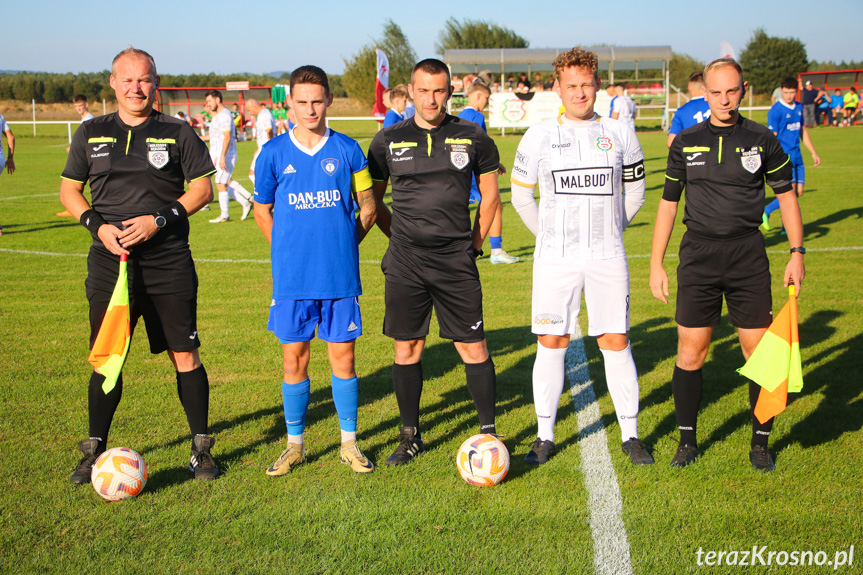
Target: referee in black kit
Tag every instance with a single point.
(431, 260)
(723, 164)
(137, 161)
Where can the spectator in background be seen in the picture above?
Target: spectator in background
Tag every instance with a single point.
(851, 100)
(807, 98)
(624, 107)
(776, 95)
(523, 78)
(837, 102)
(823, 108)
(457, 83)
(238, 122)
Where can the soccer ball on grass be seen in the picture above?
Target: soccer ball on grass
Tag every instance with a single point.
(119, 473)
(482, 460)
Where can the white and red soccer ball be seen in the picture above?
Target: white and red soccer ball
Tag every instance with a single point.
(119, 473)
(482, 460)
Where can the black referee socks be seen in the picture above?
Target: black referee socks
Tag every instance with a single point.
(193, 387)
(760, 431)
(101, 406)
(686, 388)
(408, 385)
(482, 385)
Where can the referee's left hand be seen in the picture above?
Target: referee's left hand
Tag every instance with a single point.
(137, 231)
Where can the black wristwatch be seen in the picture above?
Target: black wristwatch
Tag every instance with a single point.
(160, 221)
(801, 250)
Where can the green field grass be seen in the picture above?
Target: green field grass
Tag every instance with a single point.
(420, 518)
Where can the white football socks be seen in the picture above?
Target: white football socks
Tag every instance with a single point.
(548, 371)
(223, 204)
(622, 379)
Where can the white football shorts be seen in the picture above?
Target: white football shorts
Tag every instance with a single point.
(557, 289)
(224, 176)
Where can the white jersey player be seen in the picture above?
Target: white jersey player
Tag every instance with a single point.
(624, 107)
(223, 151)
(265, 130)
(590, 175)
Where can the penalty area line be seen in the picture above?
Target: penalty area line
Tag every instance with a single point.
(610, 544)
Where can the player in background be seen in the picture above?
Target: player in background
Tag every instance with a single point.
(306, 185)
(430, 262)
(722, 165)
(590, 175)
(850, 102)
(612, 93)
(398, 99)
(785, 120)
(223, 151)
(692, 112)
(624, 107)
(83, 110)
(265, 130)
(478, 94)
(8, 162)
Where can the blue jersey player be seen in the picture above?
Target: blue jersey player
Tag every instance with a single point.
(304, 205)
(478, 94)
(785, 119)
(692, 112)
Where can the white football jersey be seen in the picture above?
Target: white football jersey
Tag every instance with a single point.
(580, 169)
(264, 121)
(625, 108)
(222, 122)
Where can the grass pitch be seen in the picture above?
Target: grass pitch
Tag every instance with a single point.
(421, 518)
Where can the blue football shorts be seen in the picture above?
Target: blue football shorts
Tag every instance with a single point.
(337, 320)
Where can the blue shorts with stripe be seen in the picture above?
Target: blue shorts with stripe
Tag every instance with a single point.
(337, 320)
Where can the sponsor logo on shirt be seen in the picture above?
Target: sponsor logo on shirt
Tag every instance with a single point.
(604, 143)
(548, 319)
(330, 166)
(518, 169)
(751, 161)
(157, 154)
(584, 181)
(523, 159)
(692, 156)
(289, 170)
(314, 200)
(99, 147)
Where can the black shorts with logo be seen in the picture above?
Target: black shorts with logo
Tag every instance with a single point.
(163, 289)
(419, 279)
(737, 268)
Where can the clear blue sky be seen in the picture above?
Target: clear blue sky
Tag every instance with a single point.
(222, 37)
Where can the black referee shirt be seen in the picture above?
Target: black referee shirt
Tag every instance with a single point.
(138, 170)
(723, 170)
(431, 173)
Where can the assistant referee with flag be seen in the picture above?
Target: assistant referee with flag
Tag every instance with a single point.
(722, 164)
(137, 161)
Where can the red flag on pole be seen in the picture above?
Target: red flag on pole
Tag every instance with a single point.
(382, 82)
(115, 334)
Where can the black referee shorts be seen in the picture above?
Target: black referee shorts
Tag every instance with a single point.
(171, 318)
(418, 280)
(737, 268)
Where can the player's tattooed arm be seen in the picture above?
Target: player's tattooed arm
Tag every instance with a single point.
(368, 209)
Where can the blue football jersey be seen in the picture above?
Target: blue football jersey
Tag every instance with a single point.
(689, 114)
(476, 117)
(314, 242)
(785, 121)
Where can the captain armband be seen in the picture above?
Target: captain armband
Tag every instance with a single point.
(633, 172)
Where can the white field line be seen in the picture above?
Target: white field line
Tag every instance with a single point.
(378, 262)
(610, 544)
(27, 197)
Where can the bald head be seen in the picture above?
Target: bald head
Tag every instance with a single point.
(253, 106)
